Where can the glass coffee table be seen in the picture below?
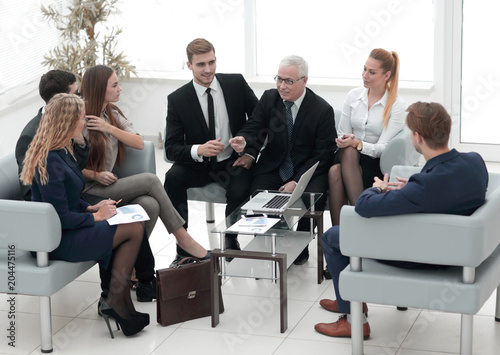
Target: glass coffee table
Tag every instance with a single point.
(269, 254)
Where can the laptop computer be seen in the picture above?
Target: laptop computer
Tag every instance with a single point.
(276, 202)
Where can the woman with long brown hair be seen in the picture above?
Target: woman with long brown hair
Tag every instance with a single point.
(372, 115)
(51, 168)
(108, 133)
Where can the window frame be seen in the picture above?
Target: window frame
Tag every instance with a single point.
(453, 83)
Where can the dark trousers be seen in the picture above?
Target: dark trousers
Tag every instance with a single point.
(273, 181)
(144, 267)
(180, 177)
(336, 262)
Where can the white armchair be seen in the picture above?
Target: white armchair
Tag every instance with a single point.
(470, 244)
(38, 276)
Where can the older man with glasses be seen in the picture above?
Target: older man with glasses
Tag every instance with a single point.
(300, 130)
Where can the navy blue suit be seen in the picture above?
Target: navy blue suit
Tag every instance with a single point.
(82, 238)
(452, 183)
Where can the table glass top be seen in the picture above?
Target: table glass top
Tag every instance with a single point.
(287, 219)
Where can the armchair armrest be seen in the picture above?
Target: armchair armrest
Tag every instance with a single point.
(31, 226)
(403, 171)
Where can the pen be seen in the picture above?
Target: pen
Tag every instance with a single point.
(117, 202)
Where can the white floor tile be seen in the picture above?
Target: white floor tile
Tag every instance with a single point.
(219, 343)
(420, 352)
(86, 336)
(440, 332)
(245, 316)
(300, 347)
(27, 332)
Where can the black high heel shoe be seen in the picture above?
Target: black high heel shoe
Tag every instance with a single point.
(128, 326)
(142, 317)
(207, 256)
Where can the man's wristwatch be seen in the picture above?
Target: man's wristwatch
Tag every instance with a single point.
(379, 189)
(360, 146)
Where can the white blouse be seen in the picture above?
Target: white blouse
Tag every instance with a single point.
(367, 125)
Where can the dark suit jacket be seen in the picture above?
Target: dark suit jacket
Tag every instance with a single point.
(63, 191)
(453, 183)
(313, 135)
(186, 124)
(27, 135)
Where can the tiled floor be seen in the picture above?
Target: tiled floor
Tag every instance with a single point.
(250, 324)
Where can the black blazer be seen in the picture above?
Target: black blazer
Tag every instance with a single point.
(22, 145)
(186, 124)
(313, 136)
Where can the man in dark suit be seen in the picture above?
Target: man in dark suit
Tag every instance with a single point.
(450, 182)
(202, 116)
(291, 107)
(51, 83)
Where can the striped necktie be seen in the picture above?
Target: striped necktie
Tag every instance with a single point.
(286, 167)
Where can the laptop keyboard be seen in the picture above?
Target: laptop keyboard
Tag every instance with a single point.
(277, 201)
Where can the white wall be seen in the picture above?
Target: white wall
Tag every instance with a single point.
(144, 103)
(14, 117)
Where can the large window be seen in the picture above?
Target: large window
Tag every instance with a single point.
(156, 32)
(472, 81)
(336, 36)
(24, 38)
(480, 116)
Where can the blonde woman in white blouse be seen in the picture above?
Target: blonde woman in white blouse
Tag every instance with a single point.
(372, 115)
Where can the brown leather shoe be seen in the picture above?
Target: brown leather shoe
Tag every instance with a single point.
(331, 305)
(341, 328)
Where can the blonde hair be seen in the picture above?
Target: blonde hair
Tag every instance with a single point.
(54, 132)
(389, 61)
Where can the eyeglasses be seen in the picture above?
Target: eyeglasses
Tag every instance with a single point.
(279, 80)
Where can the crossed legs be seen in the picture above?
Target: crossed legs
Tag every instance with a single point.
(345, 182)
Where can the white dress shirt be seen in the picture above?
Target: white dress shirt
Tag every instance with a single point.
(367, 125)
(295, 110)
(222, 127)
(296, 105)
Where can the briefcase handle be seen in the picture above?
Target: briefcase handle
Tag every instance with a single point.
(187, 260)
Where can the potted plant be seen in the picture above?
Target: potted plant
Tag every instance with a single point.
(86, 39)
